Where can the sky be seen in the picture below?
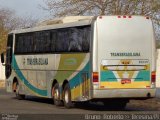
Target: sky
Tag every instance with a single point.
(26, 8)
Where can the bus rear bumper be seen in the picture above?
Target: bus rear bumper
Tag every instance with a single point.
(124, 93)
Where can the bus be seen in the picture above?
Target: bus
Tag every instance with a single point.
(85, 58)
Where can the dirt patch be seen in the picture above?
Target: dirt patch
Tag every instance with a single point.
(149, 104)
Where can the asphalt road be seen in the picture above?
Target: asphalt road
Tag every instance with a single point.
(33, 105)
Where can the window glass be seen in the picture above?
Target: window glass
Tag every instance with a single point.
(62, 41)
(79, 39)
(75, 39)
(46, 41)
(86, 36)
(53, 39)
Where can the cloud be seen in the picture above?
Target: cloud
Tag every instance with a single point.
(24, 7)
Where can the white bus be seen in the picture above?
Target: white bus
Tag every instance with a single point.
(105, 58)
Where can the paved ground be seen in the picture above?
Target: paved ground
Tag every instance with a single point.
(32, 105)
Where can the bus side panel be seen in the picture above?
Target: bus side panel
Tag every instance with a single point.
(31, 75)
(37, 79)
(75, 69)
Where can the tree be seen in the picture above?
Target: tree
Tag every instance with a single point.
(103, 7)
(151, 8)
(3, 30)
(9, 21)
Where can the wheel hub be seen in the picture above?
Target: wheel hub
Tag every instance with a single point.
(66, 97)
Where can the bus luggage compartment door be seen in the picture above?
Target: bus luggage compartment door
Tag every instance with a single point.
(85, 85)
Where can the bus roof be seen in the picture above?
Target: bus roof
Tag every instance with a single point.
(65, 22)
(58, 23)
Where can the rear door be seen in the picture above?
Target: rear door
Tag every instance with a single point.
(124, 52)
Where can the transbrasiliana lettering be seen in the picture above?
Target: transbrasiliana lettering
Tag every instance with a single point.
(37, 61)
(125, 54)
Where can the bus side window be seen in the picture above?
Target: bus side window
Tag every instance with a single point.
(79, 39)
(47, 41)
(86, 39)
(37, 42)
(53, 37)
(75, 44)
(27, 41)
(19, 46)
(62, 41)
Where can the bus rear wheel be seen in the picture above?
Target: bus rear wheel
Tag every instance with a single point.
(67, 97)
(56, 95)
(16, 90)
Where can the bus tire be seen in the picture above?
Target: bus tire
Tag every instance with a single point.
(56, 95)
(16, 90)
(67, 97)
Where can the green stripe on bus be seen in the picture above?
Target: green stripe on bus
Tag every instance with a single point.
(108, 76)
(77, 80)
(143, 76)
(26, 82)
(69, 63)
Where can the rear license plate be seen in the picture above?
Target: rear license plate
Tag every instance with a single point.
(125, 81)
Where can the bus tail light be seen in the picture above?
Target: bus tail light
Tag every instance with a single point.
(95, 77)
(153, 77)
(124, 16)
(129, 16)
(100, 17)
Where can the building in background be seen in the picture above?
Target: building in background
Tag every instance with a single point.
(2, 72)
(158, 73)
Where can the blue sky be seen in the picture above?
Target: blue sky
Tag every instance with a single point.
(26, 7)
